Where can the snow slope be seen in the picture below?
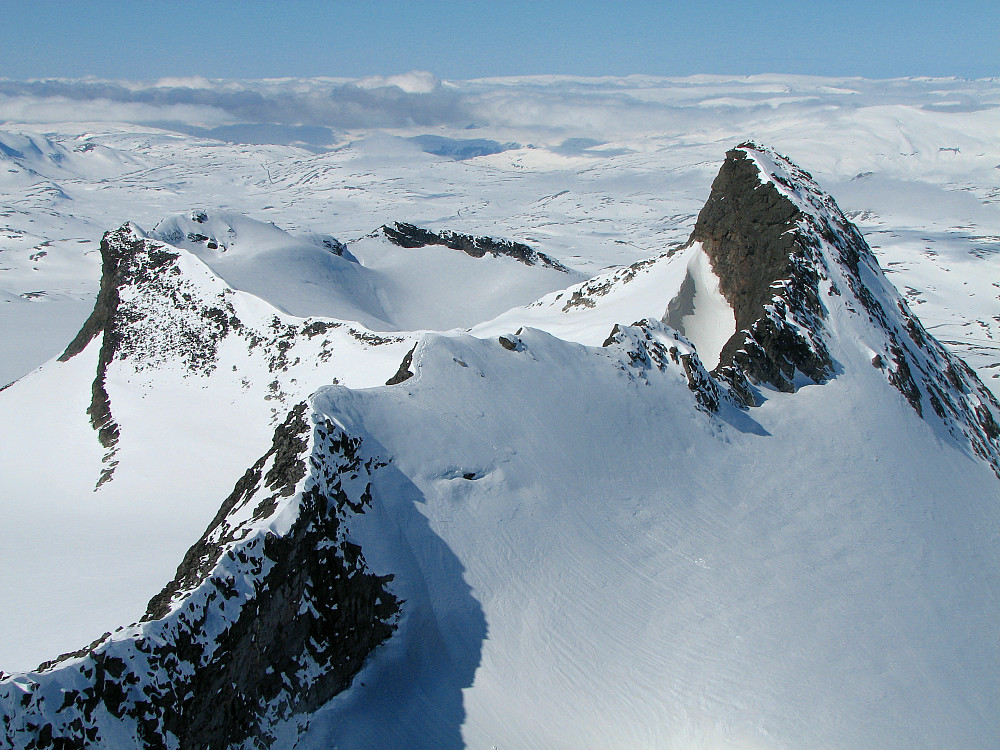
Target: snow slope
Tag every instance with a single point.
(370, 281)
(590, 542)
(196, 377)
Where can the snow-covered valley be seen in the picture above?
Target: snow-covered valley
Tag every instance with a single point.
(516, 464)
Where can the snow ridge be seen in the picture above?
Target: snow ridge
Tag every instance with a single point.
(528, 444)
(410, 236)
(161, 310)
(272, 612)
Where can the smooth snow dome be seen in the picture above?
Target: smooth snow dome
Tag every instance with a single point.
(298, 276)
(700, 311)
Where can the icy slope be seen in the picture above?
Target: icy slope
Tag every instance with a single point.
(599, 544)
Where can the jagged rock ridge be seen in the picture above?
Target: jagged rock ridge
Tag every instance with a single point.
(260, 592)
(410, 236)
(272, 612)
(751, 234)
(651, 345)
(158, 307)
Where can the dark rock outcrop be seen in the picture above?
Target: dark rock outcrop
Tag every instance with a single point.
(649, 345)
(153, 310)
(256, 626)
(122, 262)
(410, 236)
(780, 247)
(403, 373)
(769, 272)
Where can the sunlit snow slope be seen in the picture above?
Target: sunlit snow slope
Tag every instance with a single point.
(561, 529)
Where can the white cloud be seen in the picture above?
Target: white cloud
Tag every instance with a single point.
(544, 109)
(57, 109)
(414, 82)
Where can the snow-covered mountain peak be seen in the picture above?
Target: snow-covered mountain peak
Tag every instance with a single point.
(776, 289)
(806, 290)
(213, 233)
(162, 315)
(767, 268)
(39, 157)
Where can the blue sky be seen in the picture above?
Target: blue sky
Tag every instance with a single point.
(154, 39)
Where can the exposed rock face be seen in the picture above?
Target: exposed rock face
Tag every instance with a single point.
(274, 610)
(649, 345)
(404, 372)
(159, 306)
(257, 625)
(410, 236)
(784, 253)
(126, 260)
(768, 272)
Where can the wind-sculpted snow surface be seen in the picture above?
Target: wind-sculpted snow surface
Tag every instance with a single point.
(561, 529)
(655, 573)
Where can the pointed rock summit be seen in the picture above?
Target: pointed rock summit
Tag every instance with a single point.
(806, 292)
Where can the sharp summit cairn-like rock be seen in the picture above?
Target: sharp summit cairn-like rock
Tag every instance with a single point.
(735, 492)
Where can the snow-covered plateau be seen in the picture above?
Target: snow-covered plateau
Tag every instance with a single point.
(558, 413)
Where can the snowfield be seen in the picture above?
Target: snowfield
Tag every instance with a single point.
(566, 516)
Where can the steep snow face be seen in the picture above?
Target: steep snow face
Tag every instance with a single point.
(698, 579)
(701, 312)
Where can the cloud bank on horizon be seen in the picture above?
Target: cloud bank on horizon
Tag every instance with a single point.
(315, 110)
